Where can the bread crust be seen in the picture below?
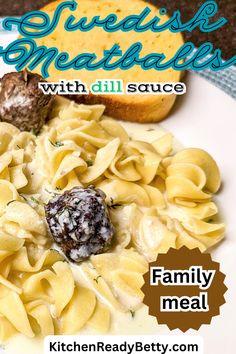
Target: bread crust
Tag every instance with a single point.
(132, 112)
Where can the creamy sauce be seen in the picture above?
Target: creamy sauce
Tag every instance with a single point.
(121, 323)
(148, 133)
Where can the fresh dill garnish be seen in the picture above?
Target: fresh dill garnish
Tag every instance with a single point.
(22, 196)
(53, 193)
(113, 205)
(11, 201)
(34, 132)
(132, 313)
(89, 163)
(2, 346)
(30, 198)
(96, 279)
(36, 201)
(18, 147)
(49, 192)
(56, 144)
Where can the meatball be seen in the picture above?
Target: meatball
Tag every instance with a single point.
(79, 222)
(22, 103)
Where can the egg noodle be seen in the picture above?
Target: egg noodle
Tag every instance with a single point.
(157, 199)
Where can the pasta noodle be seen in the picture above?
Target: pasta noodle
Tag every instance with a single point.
(157, 198)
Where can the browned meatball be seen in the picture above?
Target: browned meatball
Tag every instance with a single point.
(79, 222)
(22, 103)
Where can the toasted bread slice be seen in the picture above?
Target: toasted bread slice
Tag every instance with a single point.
(140, 108)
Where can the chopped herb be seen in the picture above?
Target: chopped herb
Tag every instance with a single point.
(2, 347)
(30, 198)
(49, 192)
(132, 313)
(34, 132)
(11, 201)
(114, 205)
(18, 146)
(58, 189)
(96, 279)
(150, 130)
(23, 197)
(36, 201)
(57, 143)
(89, 163)
(53, 193)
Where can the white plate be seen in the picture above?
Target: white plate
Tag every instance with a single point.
(206, 118)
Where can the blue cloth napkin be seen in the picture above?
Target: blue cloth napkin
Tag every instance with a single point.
(224, 79)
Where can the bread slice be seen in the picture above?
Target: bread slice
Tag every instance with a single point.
(139, 108)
